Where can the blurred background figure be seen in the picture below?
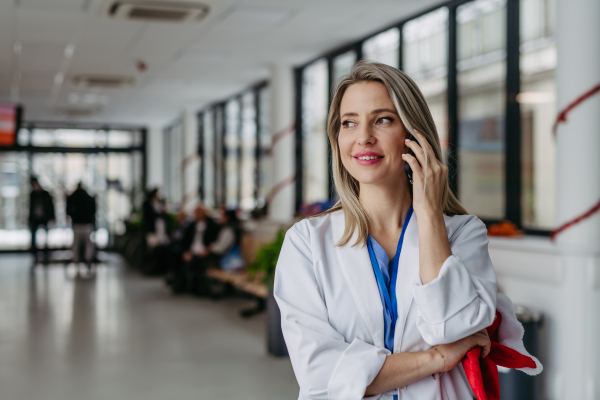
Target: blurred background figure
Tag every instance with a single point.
(155, 227)
(41, 212)
(81, 208)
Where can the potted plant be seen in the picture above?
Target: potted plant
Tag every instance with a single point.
(264, 265)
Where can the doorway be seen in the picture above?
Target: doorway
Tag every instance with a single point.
(110, 163)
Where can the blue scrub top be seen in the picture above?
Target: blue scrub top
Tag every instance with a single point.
(386, 272)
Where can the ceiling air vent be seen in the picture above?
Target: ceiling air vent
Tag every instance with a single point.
(103, 81)
(158, 11)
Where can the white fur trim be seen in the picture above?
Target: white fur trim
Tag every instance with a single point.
(510, 333)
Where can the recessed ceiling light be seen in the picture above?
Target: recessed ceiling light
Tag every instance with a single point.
(257, 16)
(69, 50)
(58, 79)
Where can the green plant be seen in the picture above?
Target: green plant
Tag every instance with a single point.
(266, 259)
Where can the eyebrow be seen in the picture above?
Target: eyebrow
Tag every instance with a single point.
(378, 111)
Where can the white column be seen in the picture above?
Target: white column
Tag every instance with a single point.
(282, 118)
(190, 167)
(155, 157)
(576, 374)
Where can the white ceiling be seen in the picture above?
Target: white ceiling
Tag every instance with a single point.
(188, 65)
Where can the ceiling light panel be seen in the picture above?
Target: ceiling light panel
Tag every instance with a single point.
(257, 16)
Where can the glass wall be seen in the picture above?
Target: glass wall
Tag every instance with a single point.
(173, 159)
(232, 145)
(481, 47)
(468, 101)
(265, 170)
(315, 99)
(249, 143)
(538, 110)
(236, 143)
(425, 60)
(342, 65)
(383, 47)
(208, 171)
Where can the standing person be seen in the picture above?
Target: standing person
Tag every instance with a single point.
(81, 207)
(41, 212)
(155, 229)
(385, 293)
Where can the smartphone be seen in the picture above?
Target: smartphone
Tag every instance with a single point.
(407, 168)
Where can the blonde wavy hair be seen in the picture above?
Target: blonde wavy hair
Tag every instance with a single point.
(415, 115)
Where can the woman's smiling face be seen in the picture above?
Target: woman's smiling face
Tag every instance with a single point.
(371, 137)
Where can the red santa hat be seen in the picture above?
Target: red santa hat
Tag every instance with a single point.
(506, 334)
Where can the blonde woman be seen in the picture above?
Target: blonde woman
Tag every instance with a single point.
(384, 294)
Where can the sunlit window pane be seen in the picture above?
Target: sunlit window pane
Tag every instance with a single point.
(481, 85)
(248, 162)
(315, 98)
(266, 159)
(425, 43)
(342, 65)
(538, 109)
(208, 177)
(232, 131)
(383, 47)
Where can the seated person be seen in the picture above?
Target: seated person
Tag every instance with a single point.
(227, 245)
(193, 251)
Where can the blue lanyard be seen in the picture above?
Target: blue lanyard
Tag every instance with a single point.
(389, 293)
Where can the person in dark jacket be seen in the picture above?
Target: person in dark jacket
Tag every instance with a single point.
(41, 212)
(81, 207)
(188, 267)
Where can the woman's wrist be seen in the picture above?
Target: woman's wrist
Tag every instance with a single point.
(438, 362)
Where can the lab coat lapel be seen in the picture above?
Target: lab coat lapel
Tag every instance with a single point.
(356, 267)
(408, 274)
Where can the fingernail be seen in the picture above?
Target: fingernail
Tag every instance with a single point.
(407, 140)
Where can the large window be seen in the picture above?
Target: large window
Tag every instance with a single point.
(208, 157)
(235, 142)
(486, 69)
(383, 48)
(231, 143)
(265, 159)
(173, 159)
(315, 90)
(538, 110)
(249, 143)
(425, 60)
(481, 86)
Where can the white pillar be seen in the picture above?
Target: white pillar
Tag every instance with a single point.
(576, 374)
(190, 167)
(155, 157)
(282, 118)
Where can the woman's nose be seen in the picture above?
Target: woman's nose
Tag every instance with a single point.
(365, 136)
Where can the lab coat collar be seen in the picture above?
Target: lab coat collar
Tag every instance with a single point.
(358, 271)
(408, 275)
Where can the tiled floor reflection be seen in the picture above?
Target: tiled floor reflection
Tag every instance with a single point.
(116, 335)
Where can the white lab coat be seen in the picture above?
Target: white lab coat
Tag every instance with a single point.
(332, 315)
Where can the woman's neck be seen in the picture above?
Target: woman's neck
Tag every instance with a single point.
(386, 205)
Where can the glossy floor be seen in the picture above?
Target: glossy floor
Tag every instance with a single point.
(117, 335)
